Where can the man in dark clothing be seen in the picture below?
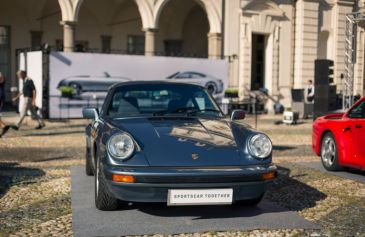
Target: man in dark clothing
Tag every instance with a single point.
(29, 93)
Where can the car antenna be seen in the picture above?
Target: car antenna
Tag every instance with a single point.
(106, 74)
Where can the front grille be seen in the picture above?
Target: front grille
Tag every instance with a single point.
(195, 179)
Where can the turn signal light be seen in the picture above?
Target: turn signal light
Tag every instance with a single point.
(269, 176)
(123, 178)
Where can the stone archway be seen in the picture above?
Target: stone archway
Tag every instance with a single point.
(210, 8)
(183, 30)
(214, 19)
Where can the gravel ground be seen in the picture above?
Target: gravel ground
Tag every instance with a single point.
(35, 182)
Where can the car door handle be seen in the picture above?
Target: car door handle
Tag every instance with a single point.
(346, 129)
(358, 126)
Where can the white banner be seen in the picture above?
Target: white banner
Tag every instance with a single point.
(78, 80)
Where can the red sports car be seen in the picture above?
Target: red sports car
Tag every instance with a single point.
(340, 138)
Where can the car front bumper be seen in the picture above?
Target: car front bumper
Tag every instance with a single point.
(152, 184)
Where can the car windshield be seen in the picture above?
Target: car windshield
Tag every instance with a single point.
(161, 100)
(173, 75)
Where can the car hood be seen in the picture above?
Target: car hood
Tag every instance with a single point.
(184, 142)
(335, 116)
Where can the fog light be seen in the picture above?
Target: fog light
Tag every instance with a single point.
(269, 176)
(123, 178)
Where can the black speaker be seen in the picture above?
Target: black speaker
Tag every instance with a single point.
(323, 74)
(325, 100)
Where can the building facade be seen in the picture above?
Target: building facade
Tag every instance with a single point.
(269, 44)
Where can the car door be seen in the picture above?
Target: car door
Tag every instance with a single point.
(198, 78)
(356, 117)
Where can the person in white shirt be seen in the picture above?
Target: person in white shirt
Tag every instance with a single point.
(309, 92)
(29, 93)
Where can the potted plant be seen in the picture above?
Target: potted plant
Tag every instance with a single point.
(67, 91)
(231, 93)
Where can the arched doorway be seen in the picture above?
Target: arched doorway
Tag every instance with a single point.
(109, 27)
(183, 30)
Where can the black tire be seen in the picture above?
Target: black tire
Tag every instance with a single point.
(88, 167)
(329, 153)
(211, 88)
(104, 200)
(77, 89)
(250, 202)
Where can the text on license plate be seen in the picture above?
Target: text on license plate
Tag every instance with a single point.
(199, 196)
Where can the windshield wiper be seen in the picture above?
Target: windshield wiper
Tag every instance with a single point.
(204, 110)
(186, 110)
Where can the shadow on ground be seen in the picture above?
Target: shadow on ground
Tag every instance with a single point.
(206, 212)
(299, 150)
(38, 154)
(46, 134)
(291, 193)
(12, 174)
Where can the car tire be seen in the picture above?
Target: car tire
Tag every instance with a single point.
(104, 200)
(329, 153)
(251, 202)
(88, 168)
(211, 88)
(77, 89)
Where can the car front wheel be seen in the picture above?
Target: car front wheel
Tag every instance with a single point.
(211, 88)
(104, 200)
(329, 153)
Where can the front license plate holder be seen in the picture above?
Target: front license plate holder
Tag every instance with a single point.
(187, 197)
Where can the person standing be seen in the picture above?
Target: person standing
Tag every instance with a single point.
(29, 92)
(309, 92)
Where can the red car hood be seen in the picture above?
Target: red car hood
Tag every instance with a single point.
(332, 116)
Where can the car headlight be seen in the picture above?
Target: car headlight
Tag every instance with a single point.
(121, 146)
(260, 146)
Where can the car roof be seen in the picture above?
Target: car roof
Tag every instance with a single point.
(153, 83)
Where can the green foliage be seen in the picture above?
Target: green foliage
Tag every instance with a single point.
(67, 90)
(231, 91)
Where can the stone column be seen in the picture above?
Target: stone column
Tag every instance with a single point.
(306, 41)
(214, 45)
(150, 42)
(68, 35)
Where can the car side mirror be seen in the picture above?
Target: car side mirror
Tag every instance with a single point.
(90, 113)
(238, 115)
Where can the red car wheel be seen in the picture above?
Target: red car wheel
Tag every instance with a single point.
(329, 153)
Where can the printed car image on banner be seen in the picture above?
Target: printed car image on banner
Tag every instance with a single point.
(78, 80)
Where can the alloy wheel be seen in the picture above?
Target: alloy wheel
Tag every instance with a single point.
(328, 151)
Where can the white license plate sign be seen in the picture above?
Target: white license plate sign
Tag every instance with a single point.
(199, 196)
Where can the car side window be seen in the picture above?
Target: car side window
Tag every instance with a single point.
(184, 76)
(197, 75)
(358, 111)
